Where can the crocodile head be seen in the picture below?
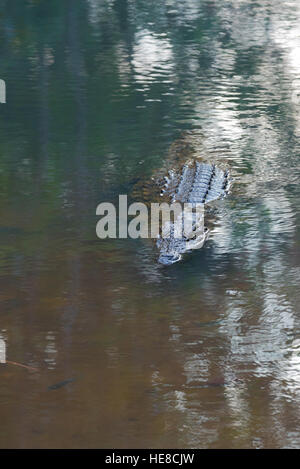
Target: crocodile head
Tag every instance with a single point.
(169, 258)
(170, 250)
(171, 247)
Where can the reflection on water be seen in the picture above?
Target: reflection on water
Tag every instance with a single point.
(132, 354)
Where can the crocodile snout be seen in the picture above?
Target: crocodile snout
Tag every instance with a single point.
(168, 259)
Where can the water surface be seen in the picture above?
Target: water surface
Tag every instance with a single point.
(206, 353)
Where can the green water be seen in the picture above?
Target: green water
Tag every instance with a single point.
(204, 354)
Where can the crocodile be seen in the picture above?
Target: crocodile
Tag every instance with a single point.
(185, 178)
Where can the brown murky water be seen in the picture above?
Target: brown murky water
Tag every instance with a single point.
(205, 353)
